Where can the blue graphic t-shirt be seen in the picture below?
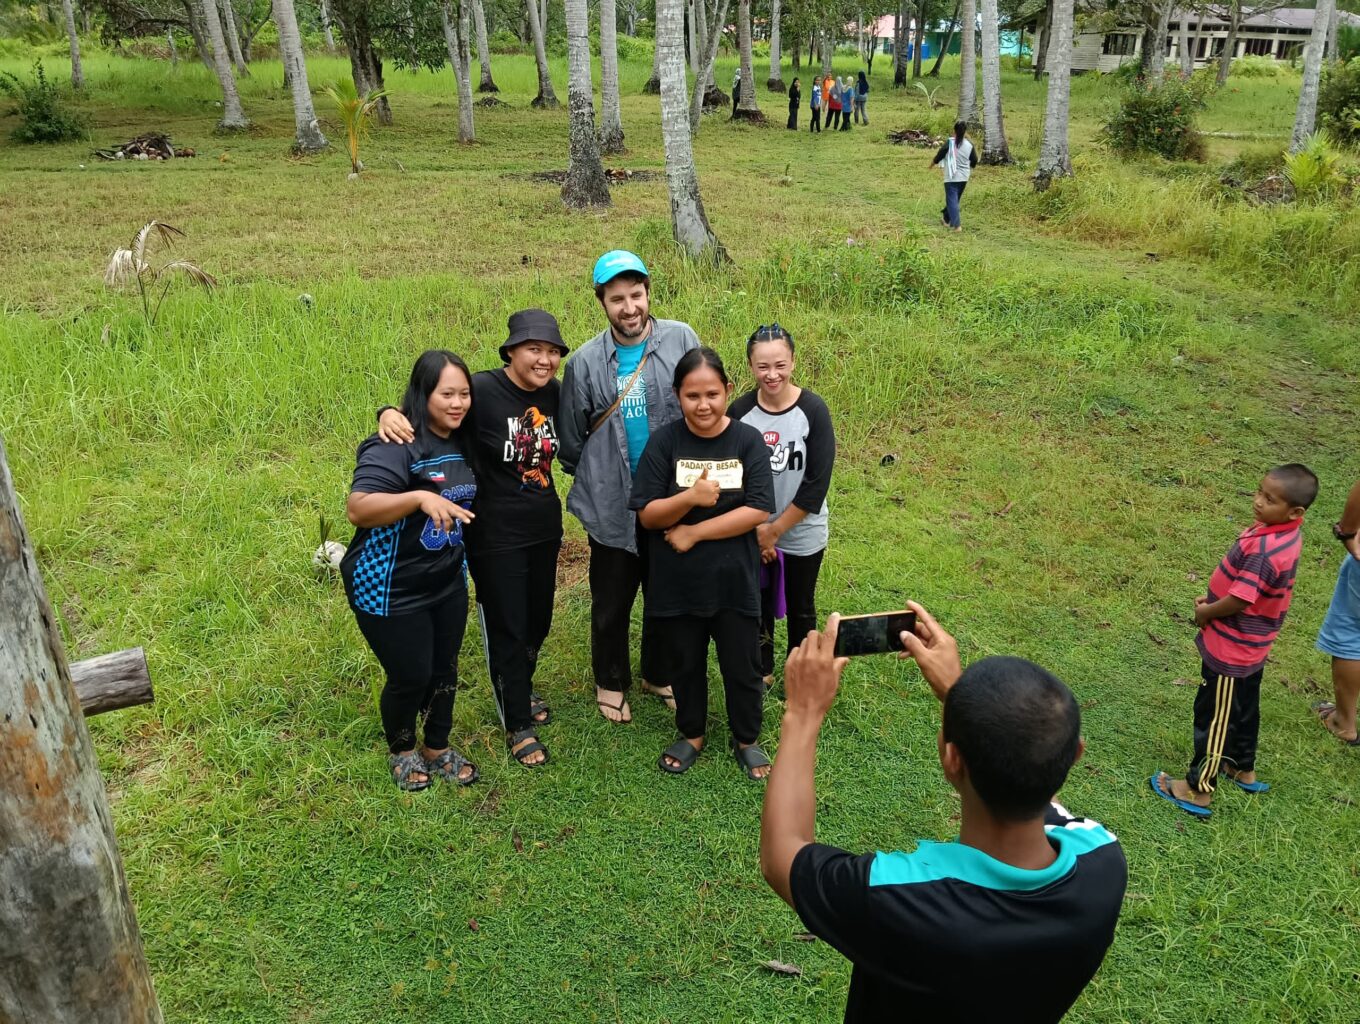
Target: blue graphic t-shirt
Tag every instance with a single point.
(633, 409)
(410, 564)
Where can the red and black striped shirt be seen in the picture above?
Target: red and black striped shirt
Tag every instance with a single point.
(1259, 568)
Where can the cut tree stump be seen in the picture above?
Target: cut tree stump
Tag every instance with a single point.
(112, 682)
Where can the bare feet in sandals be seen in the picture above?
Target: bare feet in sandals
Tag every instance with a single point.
(613, 706)
(527, 750)
(450, 765)
(666, 693)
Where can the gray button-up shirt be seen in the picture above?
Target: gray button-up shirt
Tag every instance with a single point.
(599, 461)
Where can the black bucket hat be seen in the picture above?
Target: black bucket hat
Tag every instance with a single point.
(532, 325)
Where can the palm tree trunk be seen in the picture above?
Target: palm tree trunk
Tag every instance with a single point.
(308, 138)
(1306, 116)
(233, 33)
(918, 39)
(77, 72)
(585, 184)
(611, 117)
(934, 72)
(1154, 43)
(326, 26)
(968, 108)
(828, 45)
(1333, 30)
(198, 30)
(487, 84)
(1225, 58)
(455, 42)
(747, 107)
(1054, 159)
(1042, 40)
(689, 223)
(704, 89)
(233, 116)
(174, 50)
(653, 85)
(1186, 54)
(691, 38)
(994, 148)
(546, 98)
(904, 44)
(775, 83)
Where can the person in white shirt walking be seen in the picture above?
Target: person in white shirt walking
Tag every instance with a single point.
(959, 158)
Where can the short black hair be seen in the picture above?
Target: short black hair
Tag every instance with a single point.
(415, 404)
(1018, 728)
(626, 275)
(695, 358)
(1298, 483)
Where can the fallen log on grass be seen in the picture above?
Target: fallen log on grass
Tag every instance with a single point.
(112, 682)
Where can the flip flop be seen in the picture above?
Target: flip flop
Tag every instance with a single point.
(620, 707)
(1246, 787)
(681, 750)
(1185, 805)
(657, 691)
(1325, 710)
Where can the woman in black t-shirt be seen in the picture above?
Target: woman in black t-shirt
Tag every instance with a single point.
(404, 573)
(702, 487)
(513, 546)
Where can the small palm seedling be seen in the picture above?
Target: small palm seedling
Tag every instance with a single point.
(1315, 170)
(355, 112)
(134, 264)
(328, 556)
(930, 95)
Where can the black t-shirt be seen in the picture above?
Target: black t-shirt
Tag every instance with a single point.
(948, 934)
(515, 442)
(713, 575)
(410, 564)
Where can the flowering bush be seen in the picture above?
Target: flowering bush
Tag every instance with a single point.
(1157, 117)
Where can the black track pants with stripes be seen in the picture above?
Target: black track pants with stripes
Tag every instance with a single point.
(1227, 721)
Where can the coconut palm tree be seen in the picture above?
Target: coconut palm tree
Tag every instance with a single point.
(233, 115)
(233, 35)
(455, 41)
(1306, 114)
(968, 110)
(355, 111)
(703, 82)
(689, 223)
(775, 83)
(308, 137)
(546, 97)
(994, 148)
(611, 119)
(747, 107)
(585, 184)
(77, 72)
(1183, 50)
(487, 84)
(1054, 159)
(326, 32)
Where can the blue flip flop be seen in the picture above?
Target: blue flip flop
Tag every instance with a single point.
(1247, 787)
(1185, 805)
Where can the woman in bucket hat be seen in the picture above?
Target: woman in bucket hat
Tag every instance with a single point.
(512, 549)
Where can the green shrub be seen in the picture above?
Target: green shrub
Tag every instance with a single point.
(1348, 42)
(505, 42)
(43, 113)
(1251, 66)
(1315, 170)
(1256, 162)
(1339, 102)
(1157, 118)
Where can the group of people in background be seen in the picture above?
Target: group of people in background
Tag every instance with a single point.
(843, 99)
(718, 515)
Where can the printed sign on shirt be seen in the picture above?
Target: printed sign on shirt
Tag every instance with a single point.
(726, 473)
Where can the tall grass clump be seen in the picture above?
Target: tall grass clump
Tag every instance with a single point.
(1315, 170)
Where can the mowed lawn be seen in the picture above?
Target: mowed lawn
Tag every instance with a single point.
(1075, 432)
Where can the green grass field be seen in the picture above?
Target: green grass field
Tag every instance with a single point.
(1081, 391)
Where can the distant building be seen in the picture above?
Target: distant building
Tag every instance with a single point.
(935, 37)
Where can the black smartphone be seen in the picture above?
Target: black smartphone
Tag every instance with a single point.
(873, 634)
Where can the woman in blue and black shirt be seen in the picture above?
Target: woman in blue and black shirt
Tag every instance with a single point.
(404, 573)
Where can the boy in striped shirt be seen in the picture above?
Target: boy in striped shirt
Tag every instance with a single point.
(1239, 619)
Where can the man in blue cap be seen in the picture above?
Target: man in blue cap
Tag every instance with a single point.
(616, 390)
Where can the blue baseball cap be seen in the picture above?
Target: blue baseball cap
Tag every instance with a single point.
(614, 263)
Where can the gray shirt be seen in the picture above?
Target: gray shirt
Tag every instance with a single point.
(599, 461)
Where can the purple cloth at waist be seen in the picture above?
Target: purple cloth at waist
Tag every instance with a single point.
(772, 575)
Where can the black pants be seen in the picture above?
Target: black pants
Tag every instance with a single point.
(793, 119)
(816, 123)
(1227, 721)
(419, 653)
(615, 577)
(800, 595)
(845, 119)
(515, 590)
(833, 119)
(737, 639)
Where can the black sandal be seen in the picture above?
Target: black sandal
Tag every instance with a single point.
(517, 738)
(659, 692)
(620, 707)
(449, 766)
(404, 766)
(681, 750)
(750, 758)
(539, 706)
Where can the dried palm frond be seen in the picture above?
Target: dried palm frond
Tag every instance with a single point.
(123, 266)
(165, 232)
(132, 264)
(194, 273)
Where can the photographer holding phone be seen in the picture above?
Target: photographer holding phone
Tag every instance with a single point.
(1008, 922)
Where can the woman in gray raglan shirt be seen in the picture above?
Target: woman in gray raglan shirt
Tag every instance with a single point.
(796, 425)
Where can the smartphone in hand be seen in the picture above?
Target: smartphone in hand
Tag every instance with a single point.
(879, 633)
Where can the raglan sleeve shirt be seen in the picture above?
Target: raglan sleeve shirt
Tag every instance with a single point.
(821, 455)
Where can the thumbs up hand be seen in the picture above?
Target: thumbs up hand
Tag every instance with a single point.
(704, 492)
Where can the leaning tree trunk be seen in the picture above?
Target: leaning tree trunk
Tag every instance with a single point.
(968, 108)
(308, 138)
(934, 72)
(1306, 115)
(1225, 58)
(193, 12)
(233, 34)
(326, 26)
(653, 85)
(77, 72)
(233, 116)
(1185, 54)
(487, 83)
(994, 147)
(585, 184)
(1054, 160)
(456, 43)
(546, 98)
(747, 107)
(1333, 30)
(703, 92)
(775, 83)
(611, 117)
(689, 224)
(1042, 40)
(68, 932)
